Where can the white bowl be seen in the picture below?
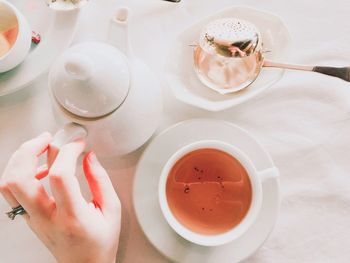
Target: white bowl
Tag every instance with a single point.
(20, 49)
(184, 82)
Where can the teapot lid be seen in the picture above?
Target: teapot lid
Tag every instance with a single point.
(90, 80)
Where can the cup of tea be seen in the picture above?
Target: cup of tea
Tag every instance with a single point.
(15, 36)
(210, 193)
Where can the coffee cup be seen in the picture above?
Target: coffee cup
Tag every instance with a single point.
(15, 36)
(226, 191)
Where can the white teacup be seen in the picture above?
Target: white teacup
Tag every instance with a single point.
(13, 52)
(256, 180)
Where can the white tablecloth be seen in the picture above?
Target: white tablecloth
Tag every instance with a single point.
(303, 121)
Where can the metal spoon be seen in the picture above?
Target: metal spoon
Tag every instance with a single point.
(338, 72)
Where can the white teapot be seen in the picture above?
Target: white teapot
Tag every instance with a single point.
(106, 93)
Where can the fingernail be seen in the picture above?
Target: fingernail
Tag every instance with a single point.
(79, 140)
(92, 158)
(44, 134)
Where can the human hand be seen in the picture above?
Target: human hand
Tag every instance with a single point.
(75, 231)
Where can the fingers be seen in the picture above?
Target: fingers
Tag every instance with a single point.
(104, 196)
(10, 199)
(38, 145)
(64, 185)
(18, 184)
(52, 153)
(33, 197)
(23, 163)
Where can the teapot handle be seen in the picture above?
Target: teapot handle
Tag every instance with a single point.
(69, 133)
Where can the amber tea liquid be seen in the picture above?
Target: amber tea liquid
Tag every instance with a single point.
(208, 191)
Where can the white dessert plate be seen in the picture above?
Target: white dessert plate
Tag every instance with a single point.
(56, 29)
(186, 86)
(145, 193)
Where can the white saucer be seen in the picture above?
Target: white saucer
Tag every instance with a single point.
(147, 206)
(184, 82)
(56, 30)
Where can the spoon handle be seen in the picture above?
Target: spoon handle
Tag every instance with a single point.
(273, 64)
(342, 73)
(339, 72)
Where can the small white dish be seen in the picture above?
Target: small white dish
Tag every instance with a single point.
(56, 29)
(145, 193)
(184, 82)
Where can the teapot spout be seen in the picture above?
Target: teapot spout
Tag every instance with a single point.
(118, 33)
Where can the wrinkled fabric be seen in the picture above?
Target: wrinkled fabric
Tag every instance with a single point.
(303, 121)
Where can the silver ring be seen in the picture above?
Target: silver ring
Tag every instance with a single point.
(19, 210)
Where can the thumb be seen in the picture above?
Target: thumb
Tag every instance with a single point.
(104, 196)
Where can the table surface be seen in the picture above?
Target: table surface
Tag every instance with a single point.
(303, 121)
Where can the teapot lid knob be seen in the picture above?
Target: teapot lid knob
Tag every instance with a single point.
(78, 67)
